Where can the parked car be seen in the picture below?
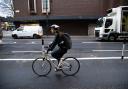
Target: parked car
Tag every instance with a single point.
(28, 31)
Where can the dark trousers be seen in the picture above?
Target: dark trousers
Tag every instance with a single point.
(57, 54)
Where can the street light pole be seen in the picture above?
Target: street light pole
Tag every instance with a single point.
(47, 15)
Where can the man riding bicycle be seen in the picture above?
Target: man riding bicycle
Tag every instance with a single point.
(62, 40)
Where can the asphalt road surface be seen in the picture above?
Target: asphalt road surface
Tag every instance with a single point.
(93, 74)
(101, 65)
(83, 47)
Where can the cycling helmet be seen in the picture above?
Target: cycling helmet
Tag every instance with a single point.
(55, 27)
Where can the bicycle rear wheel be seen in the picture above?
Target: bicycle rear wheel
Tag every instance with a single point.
(41, 66)
(70, 66)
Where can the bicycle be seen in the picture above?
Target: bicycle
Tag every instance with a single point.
(42, 66)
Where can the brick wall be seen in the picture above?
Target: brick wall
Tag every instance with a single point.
(22, 6)
(68, 7)
(76, 7)
(87, 8)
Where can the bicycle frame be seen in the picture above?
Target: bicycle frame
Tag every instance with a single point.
(65, 65)
(47, 57)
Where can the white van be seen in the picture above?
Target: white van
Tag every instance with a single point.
(28, 31)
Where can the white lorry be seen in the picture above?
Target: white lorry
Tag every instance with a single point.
(28, 31)
(114, 25)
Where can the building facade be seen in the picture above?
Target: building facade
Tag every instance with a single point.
(77, 17)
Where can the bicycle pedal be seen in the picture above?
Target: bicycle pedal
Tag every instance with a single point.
(53, 61)
(58, 69)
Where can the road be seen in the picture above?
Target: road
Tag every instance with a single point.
(83, 47)
(101, 66)
(93, 74)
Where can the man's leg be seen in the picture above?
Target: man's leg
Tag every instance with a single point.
(55, 55)
(62, 52)
(58, 54)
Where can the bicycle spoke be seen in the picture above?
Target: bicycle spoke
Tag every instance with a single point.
(70, 66)
(41, 67)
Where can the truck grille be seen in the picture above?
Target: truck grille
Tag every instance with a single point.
(97, 33)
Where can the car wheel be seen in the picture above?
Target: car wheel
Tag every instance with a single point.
(15, 36)
(35, 36)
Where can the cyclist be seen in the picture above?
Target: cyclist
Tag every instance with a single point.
(62, 40)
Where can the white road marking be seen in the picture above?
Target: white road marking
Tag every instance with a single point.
(33, 42)
(1, 41)
(99, 42)
(92, 50)
(20, 43)
(50, 42)
(100, 58)
(108, 50)
(26, 51)
(84, 58)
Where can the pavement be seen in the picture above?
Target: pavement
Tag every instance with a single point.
(7, 33)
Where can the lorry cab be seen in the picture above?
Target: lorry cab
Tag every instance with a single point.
(99, 27)
(113, 25)
(105, 25)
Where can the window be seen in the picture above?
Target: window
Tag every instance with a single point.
(45, 6)
(32, 6)
(100, 22)
(108, 23)
(20, 29)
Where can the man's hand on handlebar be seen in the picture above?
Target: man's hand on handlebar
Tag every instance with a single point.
(49, 52)
(46, 47)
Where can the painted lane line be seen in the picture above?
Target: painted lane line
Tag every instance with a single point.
(26, 51)
(89, 42)
(7, 43)
(33, 43)
(99, 42)
(92, 50)
(84, 58)
(19, 43)
(101, 58)
(109, 50)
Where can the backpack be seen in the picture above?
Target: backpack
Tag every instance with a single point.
(68, 41)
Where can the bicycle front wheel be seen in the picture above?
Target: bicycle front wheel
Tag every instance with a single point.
(70, 66)
(41, 66)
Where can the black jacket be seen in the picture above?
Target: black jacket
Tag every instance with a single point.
(63, 41)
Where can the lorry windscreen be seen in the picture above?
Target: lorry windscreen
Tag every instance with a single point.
(108, 23)
(99, 22)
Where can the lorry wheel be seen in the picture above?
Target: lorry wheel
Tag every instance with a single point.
(112, 38)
